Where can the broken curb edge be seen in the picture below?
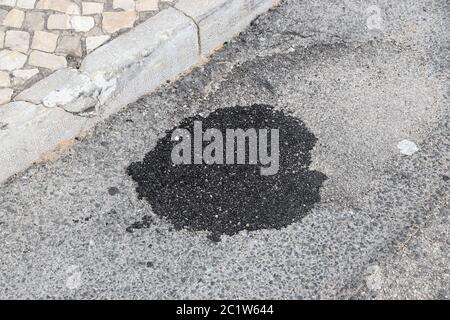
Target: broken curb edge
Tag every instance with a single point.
(69, 102)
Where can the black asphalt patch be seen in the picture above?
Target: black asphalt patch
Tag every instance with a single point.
(225, 199)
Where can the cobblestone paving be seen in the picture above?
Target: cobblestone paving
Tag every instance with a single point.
(38, 37)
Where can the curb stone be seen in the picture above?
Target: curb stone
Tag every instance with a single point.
(69, 102)
(220, 20)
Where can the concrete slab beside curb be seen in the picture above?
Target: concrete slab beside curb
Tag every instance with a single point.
(70, 101)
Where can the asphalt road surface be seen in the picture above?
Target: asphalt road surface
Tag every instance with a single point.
(361, 78)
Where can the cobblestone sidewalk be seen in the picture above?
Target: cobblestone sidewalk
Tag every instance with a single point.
(38, 37)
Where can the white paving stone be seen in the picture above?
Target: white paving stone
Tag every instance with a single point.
(5, 95)
(89, 8)
(4, 79)
(8, 3)
(3, 14)
(127, 5)
(146, 5)
(14, 18)
(115, 21)
(64, 6)
(2, 38)
(26, 4)
(47, 60)
(44, 41)
(58, 22)
(34, 21)
(82, 24)
(11, 60)
(17, 40)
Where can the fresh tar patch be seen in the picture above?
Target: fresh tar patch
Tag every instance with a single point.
(227, 198)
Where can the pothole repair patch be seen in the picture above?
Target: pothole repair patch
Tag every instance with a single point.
(227, 198)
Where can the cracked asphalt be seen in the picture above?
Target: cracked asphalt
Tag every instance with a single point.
(360, 83)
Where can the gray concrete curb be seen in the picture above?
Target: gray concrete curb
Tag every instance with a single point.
(65, 105)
